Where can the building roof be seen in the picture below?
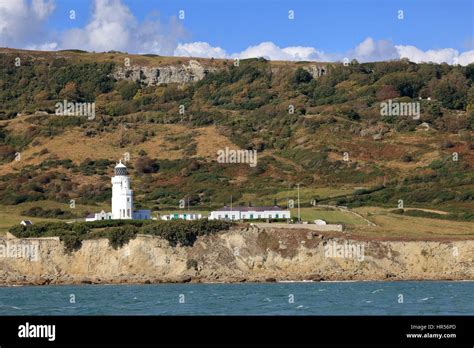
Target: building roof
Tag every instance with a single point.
(91, 215)
(120, 165)
(268, 208)
(120, 169)
(27, 222)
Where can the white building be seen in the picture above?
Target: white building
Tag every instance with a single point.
(122, 200)
(249, 213)
(122, 195)
(182, 216)
(99, 216)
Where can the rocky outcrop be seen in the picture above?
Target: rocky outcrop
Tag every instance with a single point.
(152, 76)
(241, 254)
(316, 71)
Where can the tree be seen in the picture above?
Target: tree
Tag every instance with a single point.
(434, 109)
(471, 120)
(302, 76)
(127, 89)
(451, 90)
(387, 92)
(146, 165)
(69, 92)
(353, 115)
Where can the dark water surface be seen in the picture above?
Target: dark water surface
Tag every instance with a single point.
(318, 298)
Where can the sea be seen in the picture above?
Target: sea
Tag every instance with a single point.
(281, 298)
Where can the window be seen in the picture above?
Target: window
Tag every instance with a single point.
(276, 216)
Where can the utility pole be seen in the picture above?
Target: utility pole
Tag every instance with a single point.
(299, 212)
(230, 202)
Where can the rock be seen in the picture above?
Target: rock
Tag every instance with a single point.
(424, 126)
(153, 76)
(316, 71)
(150, 260)
(377, 136)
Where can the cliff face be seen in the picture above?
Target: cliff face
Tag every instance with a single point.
(241, 254)
(152, 76)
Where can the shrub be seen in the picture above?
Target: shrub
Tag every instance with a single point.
(146, 165)
(302, 76)
(119, 236)
(191, 264)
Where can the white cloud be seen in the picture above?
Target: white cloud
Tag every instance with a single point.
(371, 50)
(47, 46)
(199, 49)
(113, 26)
(466, 58)
(445, 55)
(42, 8)
(22, 22)
(368, 50)
(109, 29)
(271, 51)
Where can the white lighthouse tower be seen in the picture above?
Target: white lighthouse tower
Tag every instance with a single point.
(122, 200)
(122, 195)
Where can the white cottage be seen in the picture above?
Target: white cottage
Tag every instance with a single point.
(99, 216)
(249, 213)
(182, 216)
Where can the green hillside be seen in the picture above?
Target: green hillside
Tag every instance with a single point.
(326, 133)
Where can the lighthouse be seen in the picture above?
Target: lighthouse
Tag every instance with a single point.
(122, 195)
(122, 200)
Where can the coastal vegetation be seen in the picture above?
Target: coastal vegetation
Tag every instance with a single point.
(119, 232)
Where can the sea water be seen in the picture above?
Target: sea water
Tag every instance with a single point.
(306, 298)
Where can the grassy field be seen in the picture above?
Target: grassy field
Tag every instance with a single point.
(391, 225)
(11, 215)
(306, 195)
(330, 216)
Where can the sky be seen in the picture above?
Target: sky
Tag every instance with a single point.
(318, 30)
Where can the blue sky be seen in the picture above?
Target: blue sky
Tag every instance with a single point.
(327, 30)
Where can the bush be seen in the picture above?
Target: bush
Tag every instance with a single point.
(120, 232)
(184, 232)
(191, 264)
(119, 236)
(302, 76)
(146, 165)
(48, 213)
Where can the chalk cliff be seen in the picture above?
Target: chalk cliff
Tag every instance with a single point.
(240, 254)
(183, 73)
